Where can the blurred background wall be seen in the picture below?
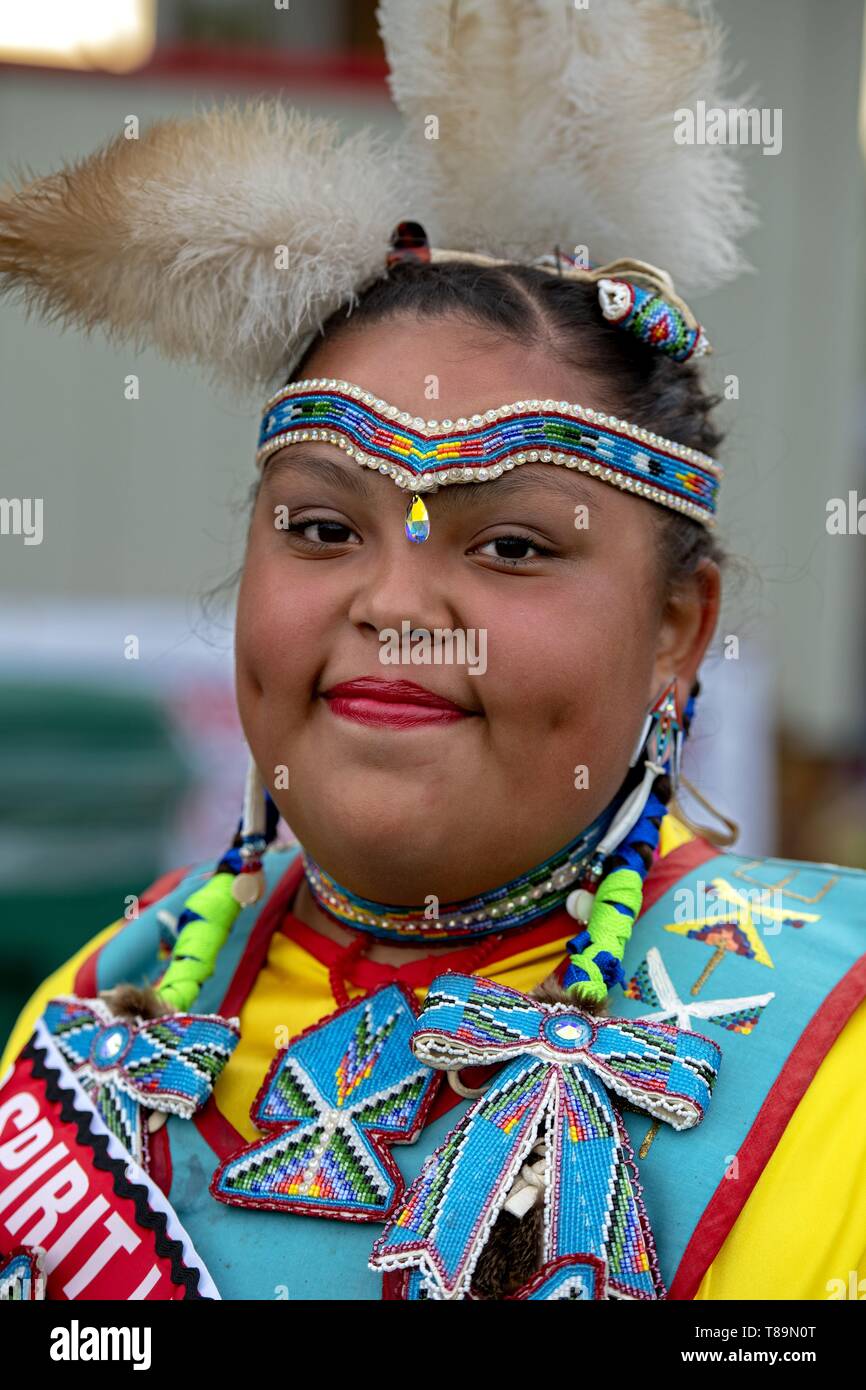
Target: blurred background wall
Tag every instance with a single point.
(121, 768)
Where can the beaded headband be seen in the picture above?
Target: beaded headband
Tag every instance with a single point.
(419, 454)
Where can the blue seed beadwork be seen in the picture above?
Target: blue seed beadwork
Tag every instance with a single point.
(559, 1065)
(420, 454)
(130, 1067)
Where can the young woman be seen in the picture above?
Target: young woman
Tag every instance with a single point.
(412, 1054)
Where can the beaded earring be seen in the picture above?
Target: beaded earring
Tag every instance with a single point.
(610, 897)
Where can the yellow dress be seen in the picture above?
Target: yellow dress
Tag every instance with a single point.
(802, 1232)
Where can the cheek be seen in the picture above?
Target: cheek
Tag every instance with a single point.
(280, 628)
(573, 660)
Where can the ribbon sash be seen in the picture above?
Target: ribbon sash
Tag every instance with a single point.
(68, 1187)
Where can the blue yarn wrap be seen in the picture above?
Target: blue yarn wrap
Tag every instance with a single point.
(645, 832)
(230, 863)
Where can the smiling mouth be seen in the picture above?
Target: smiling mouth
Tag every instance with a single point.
(391, 704)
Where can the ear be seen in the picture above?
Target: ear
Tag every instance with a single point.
(689, 619)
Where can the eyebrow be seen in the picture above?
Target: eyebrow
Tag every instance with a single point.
(518, 482)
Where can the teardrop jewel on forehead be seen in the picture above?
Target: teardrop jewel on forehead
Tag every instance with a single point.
(417, 520)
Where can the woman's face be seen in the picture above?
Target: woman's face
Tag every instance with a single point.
(567, 620)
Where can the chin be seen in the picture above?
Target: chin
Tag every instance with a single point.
(371, 825)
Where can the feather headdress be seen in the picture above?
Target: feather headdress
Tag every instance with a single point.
(227, 239)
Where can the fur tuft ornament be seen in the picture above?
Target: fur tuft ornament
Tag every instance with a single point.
(223, 240)
(228, 239)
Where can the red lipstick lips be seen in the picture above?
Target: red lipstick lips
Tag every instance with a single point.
(391, 704)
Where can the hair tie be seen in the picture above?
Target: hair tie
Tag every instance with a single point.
(408, 243)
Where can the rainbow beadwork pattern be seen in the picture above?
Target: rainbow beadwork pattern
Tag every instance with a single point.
(131, 1066)
(419, 454)
(333, 1100)
(560, 1064)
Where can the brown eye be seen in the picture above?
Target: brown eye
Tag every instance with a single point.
(513, 549)
(322, 531)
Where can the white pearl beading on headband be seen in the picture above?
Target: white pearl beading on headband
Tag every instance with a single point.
(406, 479)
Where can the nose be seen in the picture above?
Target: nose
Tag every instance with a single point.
(402, 581)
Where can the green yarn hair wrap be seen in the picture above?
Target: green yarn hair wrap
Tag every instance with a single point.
(212, 911)
(617, 903)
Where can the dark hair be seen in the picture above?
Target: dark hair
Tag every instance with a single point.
(521, 302)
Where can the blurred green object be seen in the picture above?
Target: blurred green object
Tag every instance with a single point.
(91, 781)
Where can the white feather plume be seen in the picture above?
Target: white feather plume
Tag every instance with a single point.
(556, 127)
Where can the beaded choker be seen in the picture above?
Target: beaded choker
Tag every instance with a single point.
(518, 903)
(420, 454)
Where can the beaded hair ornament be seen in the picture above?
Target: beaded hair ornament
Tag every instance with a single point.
(230, 238)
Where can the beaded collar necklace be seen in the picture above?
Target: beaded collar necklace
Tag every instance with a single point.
(534, 893)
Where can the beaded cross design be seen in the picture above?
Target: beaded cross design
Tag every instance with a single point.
(651, 984)
(130, 1067)
(560, 1065)
(331, 1103)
